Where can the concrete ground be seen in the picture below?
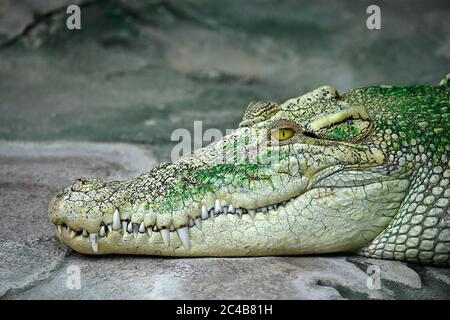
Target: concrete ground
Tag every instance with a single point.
(35, 265)
(103, 101)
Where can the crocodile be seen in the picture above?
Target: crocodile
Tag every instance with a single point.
(364, 172)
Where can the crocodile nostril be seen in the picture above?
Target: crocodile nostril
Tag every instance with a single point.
(79, 184)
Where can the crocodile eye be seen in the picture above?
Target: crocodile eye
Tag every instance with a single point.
(283, 134)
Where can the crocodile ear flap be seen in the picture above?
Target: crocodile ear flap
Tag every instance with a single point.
(258, 111)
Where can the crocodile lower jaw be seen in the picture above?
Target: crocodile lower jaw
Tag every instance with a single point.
(134, 231)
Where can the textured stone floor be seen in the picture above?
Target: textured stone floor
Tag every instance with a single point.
(136, 72)
(33, 264)
(103, 102)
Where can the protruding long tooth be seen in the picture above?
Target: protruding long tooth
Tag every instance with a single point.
(205, 213)
(102, 232)
(231, 209)
(135, 229)
(110, 228)
(59, 229)
(252, 213)
(72, 233)
(191, 222)
(84, 233)
(165, 235)
(116, 220)
(94, 241)
(183, 233)
(198, 223)
(142, 227)
(124, 226)
(217, 206)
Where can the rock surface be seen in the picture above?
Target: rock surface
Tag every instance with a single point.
(18, 15)
(30, 175)
(34, 264)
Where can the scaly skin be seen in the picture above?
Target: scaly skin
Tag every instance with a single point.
(366, 171)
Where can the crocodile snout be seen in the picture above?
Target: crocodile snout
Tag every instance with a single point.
(55, 213)
(74, 206)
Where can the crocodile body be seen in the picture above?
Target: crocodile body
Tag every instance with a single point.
(366, 171)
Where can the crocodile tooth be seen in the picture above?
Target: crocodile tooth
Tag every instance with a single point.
(102, 232)
(116, 220)
(270, 207)
(198, 223)
(155, 228)
(212, 214)
(59, 229)
(142, 227)
(284, 203)
(110, 227)
(252, 213)
(72, 233)
(205, 213)
(183, 233)
(84, 233)
(239, 212)
(191, 222)
(149, 231)
(172, 228)
(124, 225)
(94, 241)
(275, 206)
(130, 227)
(165, 236)
(135, 227)
(217, 207)
(264, 209)
(231, 209)
(225, 209)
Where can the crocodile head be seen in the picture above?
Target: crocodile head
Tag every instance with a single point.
(318, 173)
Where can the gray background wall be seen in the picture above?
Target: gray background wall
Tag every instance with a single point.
(139, 69)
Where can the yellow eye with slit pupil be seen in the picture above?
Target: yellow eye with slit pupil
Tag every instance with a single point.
(284, 134)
